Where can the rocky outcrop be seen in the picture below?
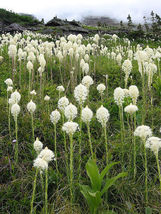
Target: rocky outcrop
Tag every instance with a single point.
(73, 29)
(56, 22)
(66, 27)
(14, 27)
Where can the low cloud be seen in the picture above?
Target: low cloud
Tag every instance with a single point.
(71, 9)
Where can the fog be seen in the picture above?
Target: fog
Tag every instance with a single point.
(76, 9)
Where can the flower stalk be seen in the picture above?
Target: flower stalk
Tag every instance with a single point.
(33, 193)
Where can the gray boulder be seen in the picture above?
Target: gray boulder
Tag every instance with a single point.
(56, 22)
(13, 28)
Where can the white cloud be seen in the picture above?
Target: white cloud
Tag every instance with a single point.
(77, 8)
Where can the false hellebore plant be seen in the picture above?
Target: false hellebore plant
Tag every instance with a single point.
(93, 194)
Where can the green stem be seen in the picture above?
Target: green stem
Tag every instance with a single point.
(16, 145)
(66, 154)
(46, 191)
(94, 211)
(42, 182)
(9, 122)
(102, 98)
(29, 83)
(146, 176)
(128, 123)
(33, 193)
(55, 149)
(80, 142)
(20, 74)
(48, 108)
(159, 68)
(122, 133)
(152, 123)
(158, 169)
(71, 168)
(32, 124)
(90, 143)
(144, 99)
(134, 144)
(106, 145)
(40, 86)
(7, 100)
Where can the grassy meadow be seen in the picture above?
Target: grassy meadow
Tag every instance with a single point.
(93, 163)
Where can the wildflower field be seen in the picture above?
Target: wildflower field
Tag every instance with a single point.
(80, 125)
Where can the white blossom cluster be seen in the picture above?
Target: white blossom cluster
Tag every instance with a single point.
(38, 145)
(70, 127)
(13, 102)
(43, 159)
(87, 115)
(153, 143)
(127, 67)
(60, 88)
(70, 112)
(87, 81)
(102, 115)
(46, 98)
(15, 110)
(8, 82)
(12, 50)
(143, 132)
(31, 107)
(130, 109)
(80, 93)
(33, 92)
(134, 93)
(16, 96)
(101, 88)
(62, 103)
(55, 116)
(119, 96)
(9, 89)
(29, 66)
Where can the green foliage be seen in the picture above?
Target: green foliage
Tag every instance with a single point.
(157, 86)
(9, 17)
(94, 194)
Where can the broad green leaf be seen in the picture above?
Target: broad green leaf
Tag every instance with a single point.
(111, 181)
(93, 198)
(106, 169)
(108, 212)
(96, 198)
(84, 191)
(148, 210)
(93, 173)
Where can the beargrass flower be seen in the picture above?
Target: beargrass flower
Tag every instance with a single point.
(131, 109)
(16, 96)
(70, 112)
(31, 107)
(80, 93)
(70, 127)
(102, 115)
(38, 145)
(143, 132)
(119, 95)
(55, 116)
(62, 103)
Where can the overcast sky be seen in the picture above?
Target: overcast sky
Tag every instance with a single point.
(76, 9)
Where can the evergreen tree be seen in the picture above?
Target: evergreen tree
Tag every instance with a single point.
(146, 24)
(139, 27)
(129, 23)
(121, 24)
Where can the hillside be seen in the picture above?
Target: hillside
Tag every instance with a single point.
(99, 20)
(9, 17)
